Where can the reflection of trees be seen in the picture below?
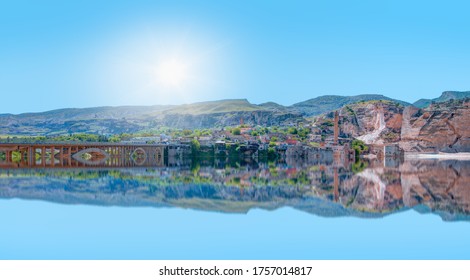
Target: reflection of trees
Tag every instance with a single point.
(375, 189)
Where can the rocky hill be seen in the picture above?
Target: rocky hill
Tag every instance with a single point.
(374, 122)
(440, 127)
(326, 103)
(129, 119)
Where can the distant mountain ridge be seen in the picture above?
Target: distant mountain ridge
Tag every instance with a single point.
(445, 96)
(210, 114)
(220, 106)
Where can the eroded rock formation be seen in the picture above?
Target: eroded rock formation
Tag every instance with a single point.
(439, 127)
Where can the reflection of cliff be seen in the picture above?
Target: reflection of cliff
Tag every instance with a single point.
(373, 190)
(445, 189)
(326, 190)
(442, 187)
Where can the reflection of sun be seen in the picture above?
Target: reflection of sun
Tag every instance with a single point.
(172, 73)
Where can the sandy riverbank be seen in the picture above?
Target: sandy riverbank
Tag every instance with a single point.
(456, 156)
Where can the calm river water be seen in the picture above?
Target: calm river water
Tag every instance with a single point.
(417, 209)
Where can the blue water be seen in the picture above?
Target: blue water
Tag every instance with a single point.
(43, 230)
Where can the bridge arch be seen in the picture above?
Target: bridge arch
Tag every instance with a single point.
(95, 156)
(139, 156)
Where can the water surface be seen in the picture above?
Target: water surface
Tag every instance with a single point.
(417, 209)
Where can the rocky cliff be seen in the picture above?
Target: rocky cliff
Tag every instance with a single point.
(374, 122)
(439, 127)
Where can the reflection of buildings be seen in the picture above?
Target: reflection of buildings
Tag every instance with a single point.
(339, 155)
(390, 154)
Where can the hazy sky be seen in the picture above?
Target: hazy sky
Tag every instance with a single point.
(56, 54)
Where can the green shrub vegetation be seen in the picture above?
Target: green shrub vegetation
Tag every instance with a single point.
(359, 147)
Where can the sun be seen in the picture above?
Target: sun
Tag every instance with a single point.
(172, 73)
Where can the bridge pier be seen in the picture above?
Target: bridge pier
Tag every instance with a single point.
(43, 156)
(52, 155)
(61, 155)
(9, 156)
(31, 156)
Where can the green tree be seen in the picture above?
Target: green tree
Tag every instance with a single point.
(114, 138)
(292, 130)
(359, 147)
(236, 131)
(303, 133)
(195, 147)
(271, 153)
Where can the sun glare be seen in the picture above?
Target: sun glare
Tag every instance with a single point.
(172, 73)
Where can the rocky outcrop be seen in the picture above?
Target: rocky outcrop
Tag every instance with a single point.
(378, 122)
(439, 127)
(374, 122)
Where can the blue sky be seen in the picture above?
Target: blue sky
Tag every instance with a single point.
(56, 54)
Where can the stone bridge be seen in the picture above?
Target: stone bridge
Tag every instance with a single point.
(82, 154)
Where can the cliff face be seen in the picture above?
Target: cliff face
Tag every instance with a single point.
(439, 127)
(374, 122)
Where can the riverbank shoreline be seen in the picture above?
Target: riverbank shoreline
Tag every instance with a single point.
(455, 156)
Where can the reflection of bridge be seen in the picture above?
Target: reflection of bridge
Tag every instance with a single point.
(83, 154)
